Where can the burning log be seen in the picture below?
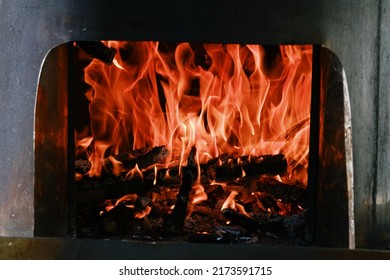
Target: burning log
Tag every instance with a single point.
(225, 168)
(281, 190)
(240, 219)
(147, 180)
(116, 220)
(174, 222)
(143, 158)
(98, 50)
(95, 188)
(266, 203)
(108, 185)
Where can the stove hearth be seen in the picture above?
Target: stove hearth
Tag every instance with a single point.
(40, 195)
(192, 136)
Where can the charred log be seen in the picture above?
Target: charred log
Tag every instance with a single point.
(174, 222)
(98, 50)
(109, 185)
(143, 158)
(227, 168)
(279, 190)
(118, 218)
(92, 189)
(223, 169)
(240, 219)
(293, 225)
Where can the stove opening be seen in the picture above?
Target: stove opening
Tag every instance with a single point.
(178, 141)
(204, 139)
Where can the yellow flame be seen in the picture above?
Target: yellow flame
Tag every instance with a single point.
(155, 175)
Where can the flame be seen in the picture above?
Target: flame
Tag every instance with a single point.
(116, 166)
(230, 203)
(198, 194)
(218, 97)
(84, 143)
(141, 214)
(155, 175)
(129, 200)
(135, 172)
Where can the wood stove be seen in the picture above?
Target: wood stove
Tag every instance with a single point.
(281, 22)
(146, 117)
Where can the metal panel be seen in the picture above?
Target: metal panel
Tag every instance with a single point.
(80, 249)
(51, 146)
(381, 191)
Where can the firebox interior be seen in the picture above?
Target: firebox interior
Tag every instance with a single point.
(179, 141)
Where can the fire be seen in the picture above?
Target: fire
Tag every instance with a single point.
(230, 203)
(135, 172)
(223, 99)
(198, 194)
(128, 201)
(219, 97)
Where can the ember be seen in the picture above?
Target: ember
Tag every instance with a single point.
(195, 141)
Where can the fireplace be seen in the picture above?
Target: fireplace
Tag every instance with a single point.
(334, 26)
(135, 114)
(165, 133)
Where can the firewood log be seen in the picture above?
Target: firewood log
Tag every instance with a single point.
(143, 158)
(118, 218)
(226, 168)
(292, 226)
(174, 222)
(279, 190)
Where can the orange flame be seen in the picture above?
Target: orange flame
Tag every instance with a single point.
(135, 172)
(230, 203)
(198, 194)
(129, 200)
(215, 96)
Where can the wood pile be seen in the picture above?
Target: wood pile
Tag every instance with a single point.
(163, 203)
